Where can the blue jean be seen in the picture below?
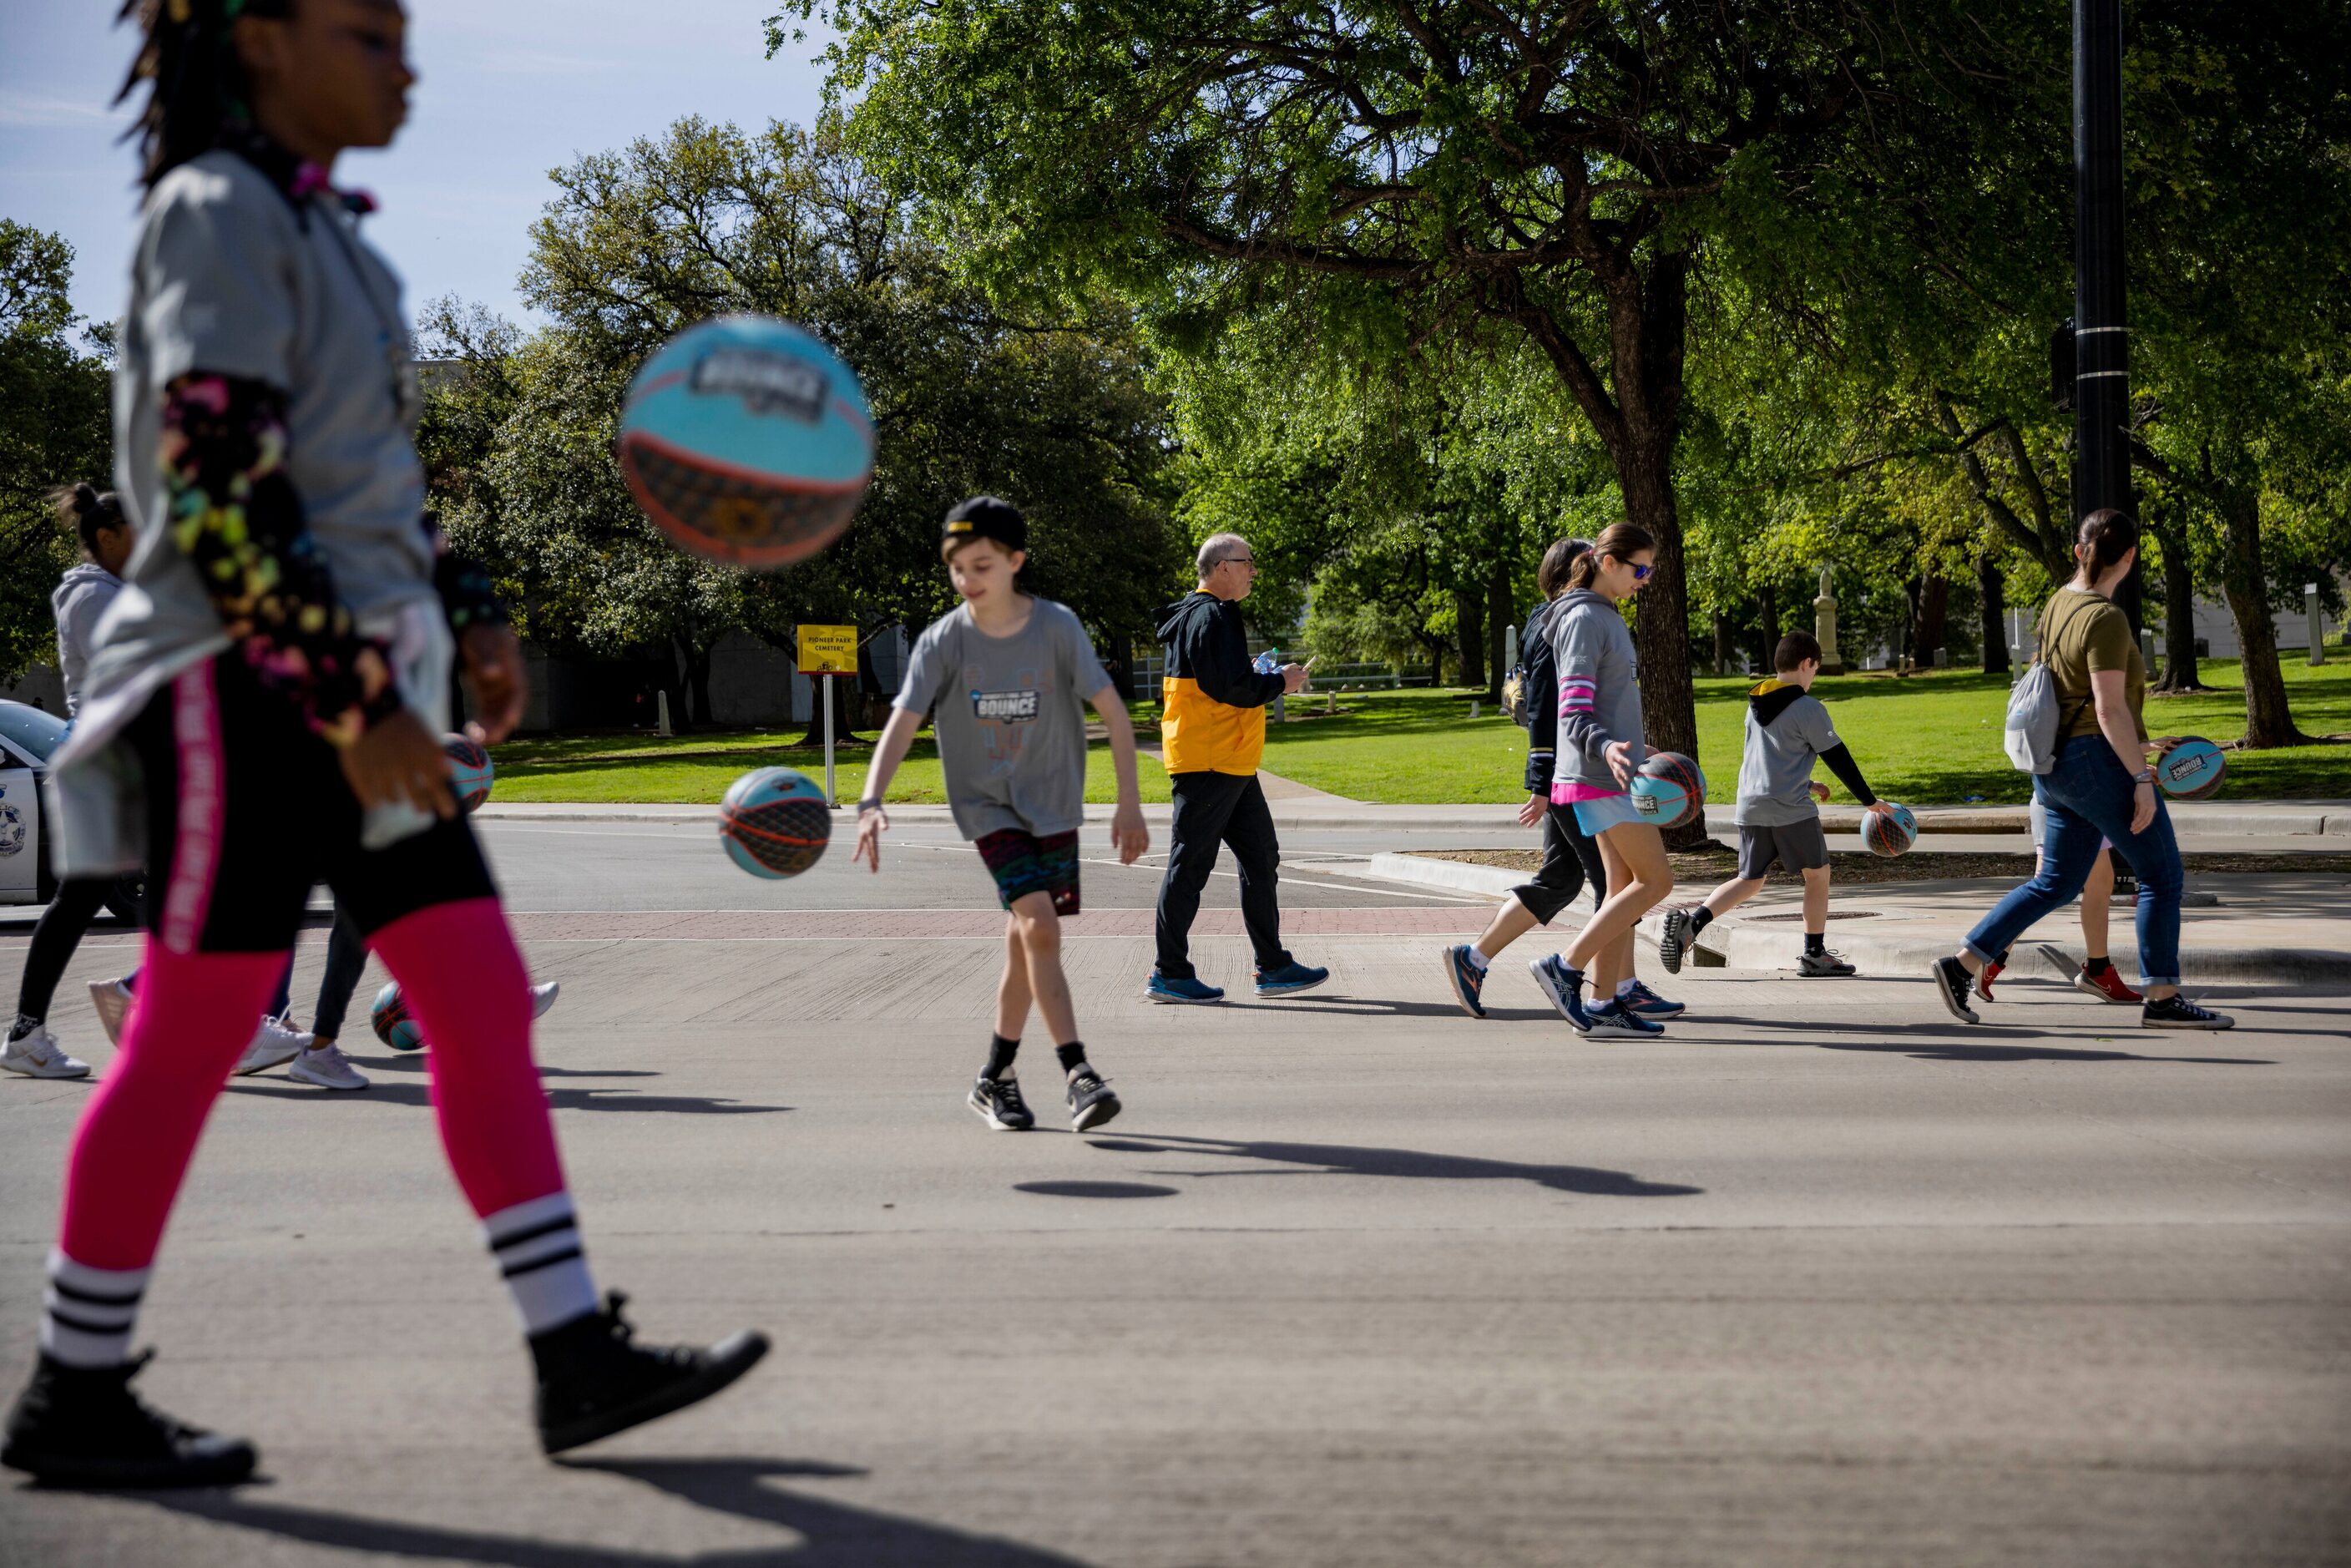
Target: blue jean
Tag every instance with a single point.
(2089, 796)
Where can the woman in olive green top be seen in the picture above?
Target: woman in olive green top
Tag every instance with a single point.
(2101, 785)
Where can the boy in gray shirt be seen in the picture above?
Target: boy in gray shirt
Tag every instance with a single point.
(1008, 674)
(1788, 729)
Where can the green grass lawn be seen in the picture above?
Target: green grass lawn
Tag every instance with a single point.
(1929, 739)
(695, 769)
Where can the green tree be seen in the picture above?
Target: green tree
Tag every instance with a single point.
(54, 431)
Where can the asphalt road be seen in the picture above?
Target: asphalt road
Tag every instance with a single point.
(1356, 1280)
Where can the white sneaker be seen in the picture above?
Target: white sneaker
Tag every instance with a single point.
(112, 999)
(327, 1067)
(543, 998)
(274, 1041)
(39, 1055)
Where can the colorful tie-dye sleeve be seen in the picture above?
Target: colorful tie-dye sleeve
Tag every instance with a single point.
(235, 514)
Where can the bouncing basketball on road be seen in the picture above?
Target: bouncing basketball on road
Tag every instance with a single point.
(392, 1024)
(1888, 834)
(774, 823)
(2192, 771)
(747, 442)
(470, 773)
(1668, 790)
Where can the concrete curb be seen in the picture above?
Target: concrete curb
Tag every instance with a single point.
(1738, 944)
(2330, 819)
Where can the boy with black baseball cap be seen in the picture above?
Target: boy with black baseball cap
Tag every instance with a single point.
(1009, 674)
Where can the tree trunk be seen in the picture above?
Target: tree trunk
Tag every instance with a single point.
(697, 675)
(1767, 627)
(1121, 664)
(2268, 721)
(844, 709)
(1721, 643)
(1500, 616)
(1993, 587)
(2180, 674)
(1934, 604)
(1660, 623)
(1470, 626)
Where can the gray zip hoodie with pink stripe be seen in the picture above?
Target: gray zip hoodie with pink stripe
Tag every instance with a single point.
(1598, 690)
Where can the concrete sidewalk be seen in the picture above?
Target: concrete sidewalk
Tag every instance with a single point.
(2283, 819)
(2274, 928)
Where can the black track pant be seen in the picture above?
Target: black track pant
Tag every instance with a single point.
(347, 956)
(55, 936)
(1214, 809)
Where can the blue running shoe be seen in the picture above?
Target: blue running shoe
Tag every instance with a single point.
(1564, 986)
(1162, 988)
(1289, 979)
(1614, 1017)
(1650, 1005)
(1469, 980)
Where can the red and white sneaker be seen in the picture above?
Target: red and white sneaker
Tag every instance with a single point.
(1985, 976)
(2107, 986)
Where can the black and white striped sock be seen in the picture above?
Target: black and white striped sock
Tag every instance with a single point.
(538, 1248)
(90, 1312)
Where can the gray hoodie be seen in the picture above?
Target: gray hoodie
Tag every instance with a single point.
(80, 598)
(1599, 688)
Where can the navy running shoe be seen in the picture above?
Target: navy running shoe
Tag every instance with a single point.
(1469, 980)
(1564, 986)
(1646, 1003)
(1614, 1017)
(1180, 988)
(1289, 979)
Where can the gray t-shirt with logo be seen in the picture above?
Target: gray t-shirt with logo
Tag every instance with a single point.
(1010, 717)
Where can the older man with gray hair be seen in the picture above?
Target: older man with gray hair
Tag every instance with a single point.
(1212, 733)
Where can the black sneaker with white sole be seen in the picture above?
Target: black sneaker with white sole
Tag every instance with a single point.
(1090, 1101)
(1681, 935)
(82, 1427)
(1953, 983)
(1816, 965)
(594, 1380)
(997, 1101)
(2176, 1011)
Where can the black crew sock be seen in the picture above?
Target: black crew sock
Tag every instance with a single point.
(1072, 1055)
(1701, 919)
(1816, 941)
(25, 1024)
(1000, 1052)
(2098, 965)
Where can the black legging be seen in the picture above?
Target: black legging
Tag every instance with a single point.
(55, 936)
(347, 956)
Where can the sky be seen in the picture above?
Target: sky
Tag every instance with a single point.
(508, 89)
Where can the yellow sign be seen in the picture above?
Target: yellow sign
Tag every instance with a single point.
(828, 651)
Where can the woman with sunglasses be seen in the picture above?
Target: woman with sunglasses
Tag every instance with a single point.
(1599, 744)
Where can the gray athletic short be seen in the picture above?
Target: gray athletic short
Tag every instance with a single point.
(1799, 846)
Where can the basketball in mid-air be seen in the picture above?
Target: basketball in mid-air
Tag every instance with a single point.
(392, 1024)
(747, 442)
(774, 823)
(2192, 771)
(1888, 834)
(470, 773)
(1668, 790)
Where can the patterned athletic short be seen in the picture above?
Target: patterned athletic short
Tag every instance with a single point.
(1023, 863)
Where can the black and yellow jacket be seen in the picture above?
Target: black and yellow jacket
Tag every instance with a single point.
(1212, 704)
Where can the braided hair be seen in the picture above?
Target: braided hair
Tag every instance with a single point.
(195, 83)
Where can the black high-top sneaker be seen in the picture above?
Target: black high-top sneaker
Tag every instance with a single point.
(82, 1427)
(594, 1381)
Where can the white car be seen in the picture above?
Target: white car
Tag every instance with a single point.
(28, 738)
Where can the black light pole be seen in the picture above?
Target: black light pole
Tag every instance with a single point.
(2101, 347)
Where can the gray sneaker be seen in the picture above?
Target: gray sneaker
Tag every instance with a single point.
(326, 1067)
(1815, 965)
(274, 1041)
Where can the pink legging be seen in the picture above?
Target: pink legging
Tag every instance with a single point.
(464, 980)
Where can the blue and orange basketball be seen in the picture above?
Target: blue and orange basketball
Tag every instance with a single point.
(470, 773)
(1888, 834)
(2192, 771)
(774, 823)
(747, 442)
(392, 1024)
(1668, 790)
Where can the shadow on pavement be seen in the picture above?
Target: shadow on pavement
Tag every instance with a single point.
(413, 1061)
(831, 1534)
(1347, 1159)
(2036, 1054)
(557, 1099)
(1094, 1188)
(1369, 1007)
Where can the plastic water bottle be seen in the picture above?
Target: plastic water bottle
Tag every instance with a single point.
(1267, 661)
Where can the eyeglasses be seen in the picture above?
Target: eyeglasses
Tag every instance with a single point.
(1247, 560)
